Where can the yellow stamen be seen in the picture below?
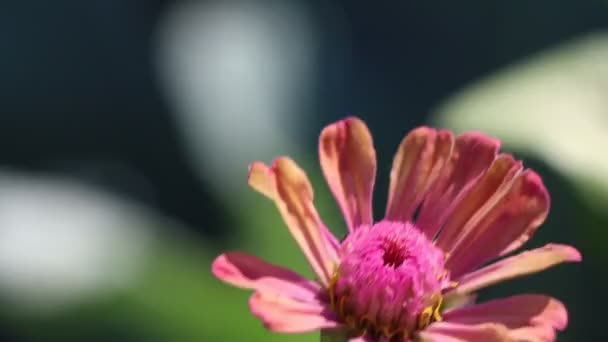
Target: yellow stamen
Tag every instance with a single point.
(425, 317)
(388, 333)
(436, 312)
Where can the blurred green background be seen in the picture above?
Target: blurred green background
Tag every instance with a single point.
(126, 128)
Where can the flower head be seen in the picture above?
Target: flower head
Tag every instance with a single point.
(456, 211)
(389, 280)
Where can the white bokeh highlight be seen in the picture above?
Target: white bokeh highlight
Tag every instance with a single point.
(553, 106)
(62, 243)
(238, 75)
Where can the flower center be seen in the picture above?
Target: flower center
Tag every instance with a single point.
(389, 280)
(394, 254)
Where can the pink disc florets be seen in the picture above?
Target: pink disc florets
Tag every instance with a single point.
(389, 280)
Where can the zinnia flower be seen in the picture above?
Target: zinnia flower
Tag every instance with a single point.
(456, 212)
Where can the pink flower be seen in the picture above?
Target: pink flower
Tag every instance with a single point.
(456, 211)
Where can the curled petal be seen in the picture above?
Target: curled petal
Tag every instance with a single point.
(285, 315)
(452, 332)
(472, 155)
(536, 315)
(507, 218)
(250, 272)
(491, 184)
(540, 206)
(288, 186)
(348, 161)
(417, 164)
(524, 263)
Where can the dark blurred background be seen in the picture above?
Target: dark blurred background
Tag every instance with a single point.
(126, 128)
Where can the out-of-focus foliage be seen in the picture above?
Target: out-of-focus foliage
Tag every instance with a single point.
(171, 295)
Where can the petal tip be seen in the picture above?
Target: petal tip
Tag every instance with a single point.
(422, 130)
(220, 267)
(534, 187)
(570, 254)
(561, 321)
(555, 315)
(482, 139)
(281, 162)
(352, 118)
(574, 255)
(255, 167)
(421, 133)
(345, 122)
(348, 161)
(259, 178)
(535, 182)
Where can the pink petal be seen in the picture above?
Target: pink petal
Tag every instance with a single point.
(473, 153)
(530, 229)
(288, 186)
(261, 179)
(539, 333)
(451, 332)
(285, 315)
(348, 160)
(535, 315)
(524, 263)
(247, 271)
(491, 184)
(417, 164)
(508, 218)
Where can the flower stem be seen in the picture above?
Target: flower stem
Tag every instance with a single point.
(333, 335)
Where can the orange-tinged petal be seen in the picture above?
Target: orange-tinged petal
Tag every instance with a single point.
(348, 161)
(260, 178)
(294, 199)
(295, 202)
(522, 264)
(417, 164)
(472, 155)
(517, 212)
